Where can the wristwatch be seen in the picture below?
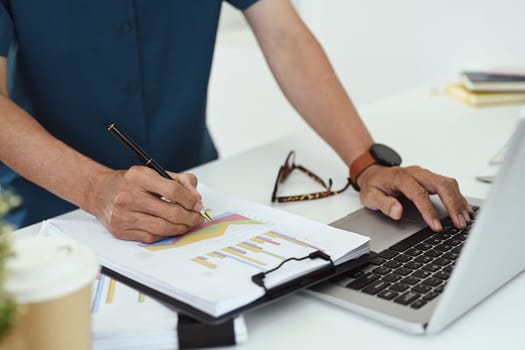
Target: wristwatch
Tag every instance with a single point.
(377, 154)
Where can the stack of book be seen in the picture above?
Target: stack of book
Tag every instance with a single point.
(483, 88)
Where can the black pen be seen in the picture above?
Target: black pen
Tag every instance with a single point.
(144, 157)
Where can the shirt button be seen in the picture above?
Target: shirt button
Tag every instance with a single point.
(133, 87)
(126, 27)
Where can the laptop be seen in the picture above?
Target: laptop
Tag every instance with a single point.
(420, 282)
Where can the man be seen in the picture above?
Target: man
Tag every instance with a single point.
(75, 66)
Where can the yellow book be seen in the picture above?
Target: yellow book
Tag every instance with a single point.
(459, 92)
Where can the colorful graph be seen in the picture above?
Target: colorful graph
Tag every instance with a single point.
(213, 229)
(252, 252)
(109, 285)
(291, 240)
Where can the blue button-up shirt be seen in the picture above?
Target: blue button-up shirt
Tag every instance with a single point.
(77, 65)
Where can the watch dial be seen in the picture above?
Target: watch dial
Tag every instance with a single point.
(385, 155)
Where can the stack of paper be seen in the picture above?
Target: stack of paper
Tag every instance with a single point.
(482, 88)
(211, 267)
(124, 318)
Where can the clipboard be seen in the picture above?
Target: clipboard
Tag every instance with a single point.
(328, 271)
(246, 258)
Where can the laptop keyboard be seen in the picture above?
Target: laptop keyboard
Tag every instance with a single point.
(415, 270)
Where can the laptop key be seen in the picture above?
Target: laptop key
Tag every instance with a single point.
(446, 222)
(449, 268)
(413, 265)
(375, 287)
(457, 249)
(388, 294)
(453, 242)
(431, 267)
(450, 256)
(439, 289)
(402, 258)
(413, 252)
(432, 253)
(456, 231)
(423, 259)
(363, 281)
(421, 274)
(402, 271)
(407, 298)
(392, 277)
(409, 242)
(418, 304)
(392, 264)
(399, 287)
(443, 247)
(441, 262)
(423, 246)
(430, 296)
(421, 288)
(432, 241)
(381, 270)
(443, 236)
(442, 275)
(461, 237)
(388, 254)
(410, 280)
(377, 260)
(355, 273)
(431, 281)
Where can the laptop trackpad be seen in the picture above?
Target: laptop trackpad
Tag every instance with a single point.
(383, 231)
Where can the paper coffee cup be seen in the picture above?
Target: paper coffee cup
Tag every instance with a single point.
(50, 277)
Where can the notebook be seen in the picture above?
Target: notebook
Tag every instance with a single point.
(420, 282)
(248, 253)
(489, 81)
(484, 98)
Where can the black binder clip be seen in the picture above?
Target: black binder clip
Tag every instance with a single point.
(193, 334)
(302, 281)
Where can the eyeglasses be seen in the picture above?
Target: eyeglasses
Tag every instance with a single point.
(286, 169)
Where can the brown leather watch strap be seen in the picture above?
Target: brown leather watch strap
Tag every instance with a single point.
(359, 164)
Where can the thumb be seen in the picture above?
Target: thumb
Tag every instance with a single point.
(377, 200)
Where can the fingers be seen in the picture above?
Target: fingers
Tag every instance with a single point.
(172, 190)
(189, 182)
(419, 195)
(377, 200)
(449, 193)
(146, 228)
(146, 203)
(132, 208)
(379, 185)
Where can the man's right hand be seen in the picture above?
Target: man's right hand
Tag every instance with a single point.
(129, 204)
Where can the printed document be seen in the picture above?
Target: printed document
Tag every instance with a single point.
(211, 267)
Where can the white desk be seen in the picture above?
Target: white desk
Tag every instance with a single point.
(427, 129)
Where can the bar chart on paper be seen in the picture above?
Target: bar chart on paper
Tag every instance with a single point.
(204, 231)
(260, 252)
(105, 292)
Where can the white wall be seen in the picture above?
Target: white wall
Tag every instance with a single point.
(378, 48)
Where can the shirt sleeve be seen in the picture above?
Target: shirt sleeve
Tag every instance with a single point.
(241, 4)
(6, 29)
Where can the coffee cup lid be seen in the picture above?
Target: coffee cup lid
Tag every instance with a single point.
(48, 267)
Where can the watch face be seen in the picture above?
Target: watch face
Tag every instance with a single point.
(385, 155)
